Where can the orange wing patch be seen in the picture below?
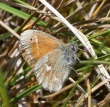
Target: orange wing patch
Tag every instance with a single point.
(46, 44)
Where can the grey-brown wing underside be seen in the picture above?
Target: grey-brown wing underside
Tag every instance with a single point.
(52, 70)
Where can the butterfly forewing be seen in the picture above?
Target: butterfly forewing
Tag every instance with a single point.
(35, 44)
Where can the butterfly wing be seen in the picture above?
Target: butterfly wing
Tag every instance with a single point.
(52, 70)
(34, 44)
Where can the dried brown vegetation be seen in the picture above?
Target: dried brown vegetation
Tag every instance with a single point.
(91, 17)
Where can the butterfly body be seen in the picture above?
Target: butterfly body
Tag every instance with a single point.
(50, 58)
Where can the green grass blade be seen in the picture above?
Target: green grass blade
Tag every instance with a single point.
(3, 92)
(14, 11)
(25, 93)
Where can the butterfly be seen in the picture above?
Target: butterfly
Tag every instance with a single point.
(51, 59)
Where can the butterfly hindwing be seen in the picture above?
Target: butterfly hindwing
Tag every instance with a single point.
(52, 70)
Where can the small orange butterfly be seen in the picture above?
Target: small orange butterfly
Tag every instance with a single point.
(50, 59)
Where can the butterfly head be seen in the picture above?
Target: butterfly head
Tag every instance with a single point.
(73, 47)
(69, 52)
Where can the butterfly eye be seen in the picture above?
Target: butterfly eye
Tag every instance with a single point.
(74, 47)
